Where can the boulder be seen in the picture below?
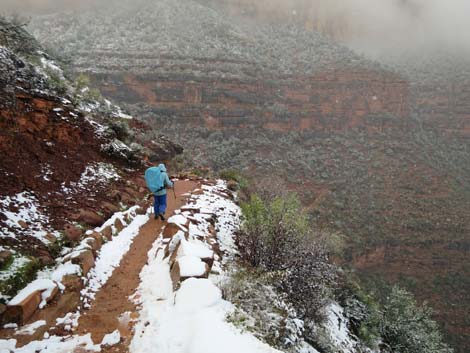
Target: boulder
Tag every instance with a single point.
(22, 312)
(128, 200)
(109, 208)
(107, 232)
(72, 283)
(98, 240)
(23, 224)
(175, 275)
(85, 260)
(5, 256)
(3, 308)
(90, 218)
(51, 237)
(44, 257)
(170, 230)
(93, 243)
(115, 195)
(52, 295)
(233, 185)
(118, 225)
(174, 254)
(140, 210)
(72, 232)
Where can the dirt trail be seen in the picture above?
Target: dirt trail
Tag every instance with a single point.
(112, 301)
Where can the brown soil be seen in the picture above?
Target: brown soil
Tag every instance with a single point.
(113, 299)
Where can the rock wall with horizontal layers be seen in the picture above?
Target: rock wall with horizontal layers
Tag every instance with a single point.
(330, 101)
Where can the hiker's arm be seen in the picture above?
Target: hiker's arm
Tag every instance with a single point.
(168, 181)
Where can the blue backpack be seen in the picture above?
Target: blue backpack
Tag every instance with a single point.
(154, 180)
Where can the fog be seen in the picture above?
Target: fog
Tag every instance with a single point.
(376, 27)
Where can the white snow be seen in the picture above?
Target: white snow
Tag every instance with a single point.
(94, 174)
(45, 286)
(191, 266)
(69, 321)
(110, 256)
(63, 270)
(178, 219)
(195, 248)
(27, 209)
(54, 344)
(98, 172)
(337, 329)
(111, 338)
(31, 328)
(194, 230)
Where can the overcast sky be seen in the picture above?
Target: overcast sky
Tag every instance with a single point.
(375, 26)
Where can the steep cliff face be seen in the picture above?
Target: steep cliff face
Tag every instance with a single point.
(331, 101)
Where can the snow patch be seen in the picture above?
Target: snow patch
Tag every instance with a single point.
(111, 338)
(31, 328)
(24, 209)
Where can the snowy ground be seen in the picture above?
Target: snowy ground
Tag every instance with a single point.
(22, 215)
(192, 319)
(109, 258)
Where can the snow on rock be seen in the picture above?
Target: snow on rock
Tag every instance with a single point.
(111, 338)
(69, 321)
(178, 219)
(45, 286)
(195, 248)
(197, 293)
(31, 328)
(194, 231)
(191, 266)
(63, 270)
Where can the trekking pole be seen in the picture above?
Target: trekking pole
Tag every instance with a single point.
(174, 193)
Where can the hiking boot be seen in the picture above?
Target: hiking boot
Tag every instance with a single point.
(156, 217)
(162, 217)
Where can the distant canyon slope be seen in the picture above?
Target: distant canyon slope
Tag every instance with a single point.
(377, 150)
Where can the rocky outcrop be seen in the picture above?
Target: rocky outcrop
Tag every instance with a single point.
(336, 100)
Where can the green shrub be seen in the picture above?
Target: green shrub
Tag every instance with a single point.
(404, 326)
(21, 278)
(276, 237)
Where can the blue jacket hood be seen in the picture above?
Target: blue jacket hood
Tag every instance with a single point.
(162, 167)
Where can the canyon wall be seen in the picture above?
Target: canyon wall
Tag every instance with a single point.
(336, 100)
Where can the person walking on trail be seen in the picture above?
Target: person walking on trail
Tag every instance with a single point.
(157, 181)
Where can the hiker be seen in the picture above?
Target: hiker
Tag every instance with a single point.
(160, 196)
(157, 181)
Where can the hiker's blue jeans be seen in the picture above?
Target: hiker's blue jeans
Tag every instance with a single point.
(159, 205)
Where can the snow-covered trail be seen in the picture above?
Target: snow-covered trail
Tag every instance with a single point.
(193, 318)
(111, 303)
(162, 295)
(113, 279)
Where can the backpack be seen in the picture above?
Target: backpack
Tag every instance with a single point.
(154, 180)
